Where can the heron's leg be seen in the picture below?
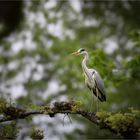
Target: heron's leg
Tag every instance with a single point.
(91, 103)
(97, 101)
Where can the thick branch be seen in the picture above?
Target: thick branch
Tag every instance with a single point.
(12, 113)
(106, 120)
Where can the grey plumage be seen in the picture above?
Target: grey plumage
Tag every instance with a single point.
(100, 86)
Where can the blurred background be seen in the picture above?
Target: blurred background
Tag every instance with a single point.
(36, 68)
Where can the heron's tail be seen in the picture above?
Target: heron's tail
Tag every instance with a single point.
(101, 96)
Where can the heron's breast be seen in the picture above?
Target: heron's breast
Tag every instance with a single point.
(90, 82)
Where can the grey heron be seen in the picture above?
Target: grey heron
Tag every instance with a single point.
(92, 78)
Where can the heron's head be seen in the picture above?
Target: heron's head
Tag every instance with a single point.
(79, 52)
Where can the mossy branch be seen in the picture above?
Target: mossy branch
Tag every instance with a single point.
(125, 124)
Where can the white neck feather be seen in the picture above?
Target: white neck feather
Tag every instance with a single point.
(84, 63)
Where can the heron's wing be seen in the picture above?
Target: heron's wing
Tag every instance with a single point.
(99, 85)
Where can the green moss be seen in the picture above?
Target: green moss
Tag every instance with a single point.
(119, 122)
(135, 112)
(34, 107)
(102, 115)
(46, 108)
(13, 111)
(48, 111)
(76, 105)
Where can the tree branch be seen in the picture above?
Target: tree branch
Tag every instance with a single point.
(123, 124)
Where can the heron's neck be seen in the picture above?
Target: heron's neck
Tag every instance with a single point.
(84, 62)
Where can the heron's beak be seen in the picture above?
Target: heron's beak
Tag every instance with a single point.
(75, 53)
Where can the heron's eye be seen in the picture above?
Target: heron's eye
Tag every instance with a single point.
(93, 72)
(82, 50)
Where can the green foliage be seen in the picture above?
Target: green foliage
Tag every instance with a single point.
(37, 134)
(102, 63)
(3, 104)
(133, 67)
(135, 36)
(8, 131)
